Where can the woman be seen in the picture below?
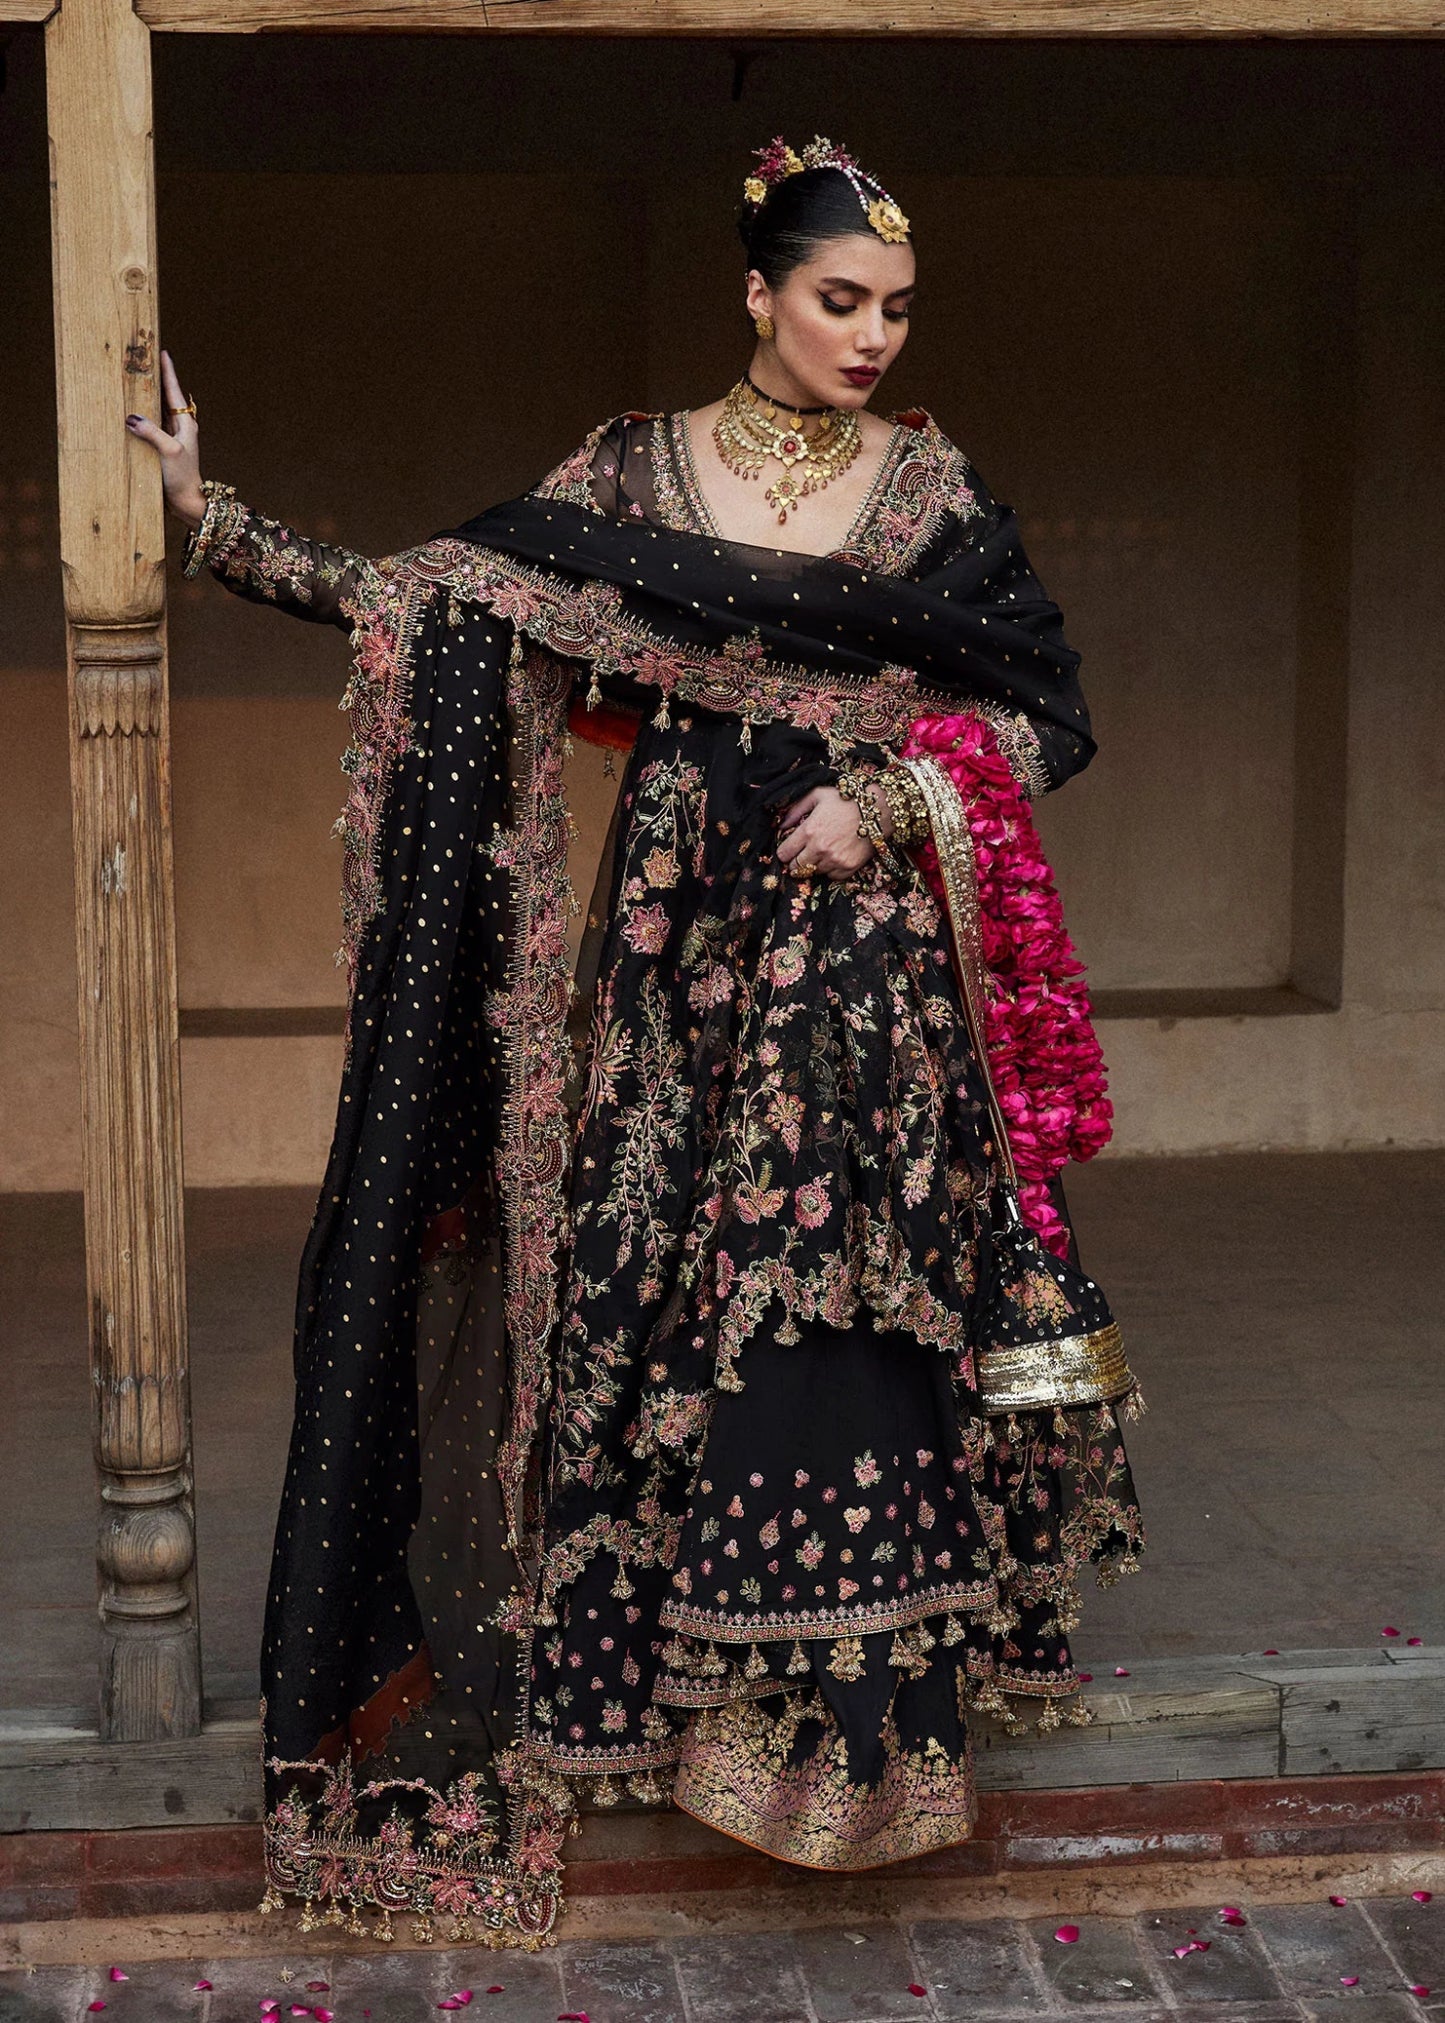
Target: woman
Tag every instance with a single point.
(697, 1392)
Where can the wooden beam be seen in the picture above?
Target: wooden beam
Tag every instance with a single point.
(112, 544)
(1242, 19)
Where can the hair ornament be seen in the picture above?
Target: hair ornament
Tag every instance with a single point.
(777, 161)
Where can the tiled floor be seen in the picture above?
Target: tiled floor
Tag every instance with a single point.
(1281, 1310)
(1288, 1961)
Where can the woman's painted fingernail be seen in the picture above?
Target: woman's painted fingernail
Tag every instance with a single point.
(132, 421)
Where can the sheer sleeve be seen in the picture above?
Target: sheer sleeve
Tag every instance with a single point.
(269, 563)
(592, 475)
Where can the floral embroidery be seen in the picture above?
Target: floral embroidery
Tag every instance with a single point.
(312, 1844)
(742, 1772)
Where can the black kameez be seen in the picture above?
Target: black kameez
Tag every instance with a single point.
(664, 1462)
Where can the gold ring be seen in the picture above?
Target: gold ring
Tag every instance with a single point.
(805, 867)
(189, 408)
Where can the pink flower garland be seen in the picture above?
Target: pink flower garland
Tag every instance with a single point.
(1043, 1053)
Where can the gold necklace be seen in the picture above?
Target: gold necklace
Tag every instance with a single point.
(748, 432)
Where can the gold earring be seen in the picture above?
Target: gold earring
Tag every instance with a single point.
(764, 326)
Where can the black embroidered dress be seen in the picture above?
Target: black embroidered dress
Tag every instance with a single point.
(770, 1545)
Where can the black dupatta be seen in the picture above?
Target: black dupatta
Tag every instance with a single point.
(399, 1607)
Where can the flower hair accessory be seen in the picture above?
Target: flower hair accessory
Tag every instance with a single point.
(777, 161)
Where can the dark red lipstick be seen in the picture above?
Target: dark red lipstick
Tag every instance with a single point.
(861, 375)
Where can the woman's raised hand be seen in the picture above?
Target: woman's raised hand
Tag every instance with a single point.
(178, 449)
(820, 833)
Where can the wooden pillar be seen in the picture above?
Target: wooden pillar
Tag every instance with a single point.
(112, 556)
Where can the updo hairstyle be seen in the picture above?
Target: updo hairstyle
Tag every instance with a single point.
(798, 215)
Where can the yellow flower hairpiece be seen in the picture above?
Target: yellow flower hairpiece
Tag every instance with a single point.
(888, 221)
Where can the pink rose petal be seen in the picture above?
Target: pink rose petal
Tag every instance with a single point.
(1233, 1918)
(1230, 1911)
(324, 2015)
(94, 2005)
(1414, 1640)
(1066, 1934)
(270, 2006)
(203, 1984)
(1085, 1677)
(1389, 1631)
(1201, 1945)
(119, 1974)
(574, 2016)
(1417, 1988)
(318, 1987)
(1422, 1896)
(1270, 1653)
(914, 1989)
(1180, 1951)
(299, 2009)
(1337, 1901)
(1349, 1980)
(1120, 1672)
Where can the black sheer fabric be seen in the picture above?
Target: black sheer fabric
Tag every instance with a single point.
(639, 1442)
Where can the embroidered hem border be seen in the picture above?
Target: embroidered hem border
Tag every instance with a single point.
(337, 1875)
(866, 1618)
(734, 1776)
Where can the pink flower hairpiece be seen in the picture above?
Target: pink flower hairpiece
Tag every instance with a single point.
(777, 161)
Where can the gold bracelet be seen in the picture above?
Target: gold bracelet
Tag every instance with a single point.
(906, 806)
(220, 523)
(857, 785)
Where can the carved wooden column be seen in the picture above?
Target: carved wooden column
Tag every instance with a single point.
(112, 556)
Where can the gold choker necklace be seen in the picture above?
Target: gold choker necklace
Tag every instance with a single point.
(749, 431)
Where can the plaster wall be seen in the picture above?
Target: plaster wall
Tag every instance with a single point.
(1134, 360)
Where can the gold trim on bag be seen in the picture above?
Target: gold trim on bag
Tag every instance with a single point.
(1073, 1370)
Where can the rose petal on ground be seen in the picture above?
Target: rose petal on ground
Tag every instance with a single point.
(94, 2005)
(1349, 1980)
(1337, 1901)
(914, 1989)
(1230, 1911)
(1389, 1631)
(464, 1995)
(318, 1987)
(1180, 1951)
(1201, 1945)
(1270, 1653)
(1120, 1672)
(300, 2009)
(1085, 1678)
(1422, 1896)
(324, 2015)
(1416, 1988)
(203, 1984)
(574, 2016)
(1233, 1918)
(119, 1974)
(1414, 1640)
(1066, 1934)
